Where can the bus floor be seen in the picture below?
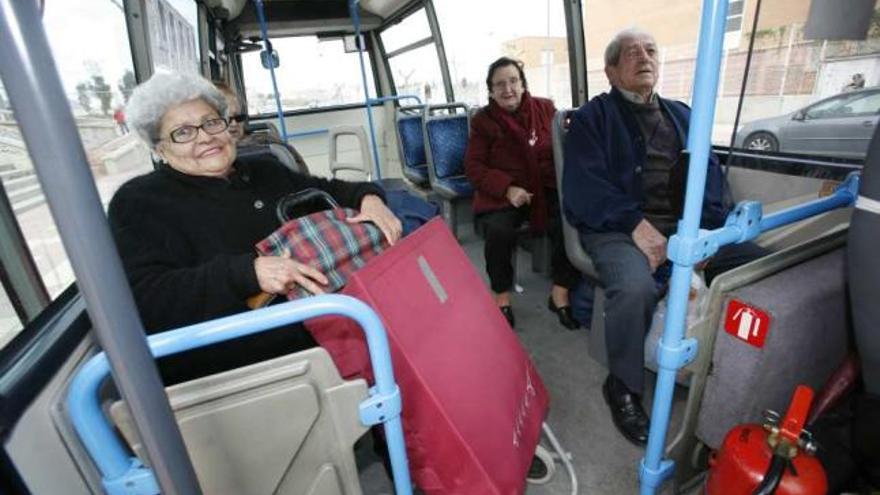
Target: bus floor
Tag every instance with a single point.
(605, 463)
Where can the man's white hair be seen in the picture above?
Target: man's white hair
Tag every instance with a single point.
(151, 100)
(612, 51)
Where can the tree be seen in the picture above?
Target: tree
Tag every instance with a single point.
(82, 95)
(102, 91)
(127, 84)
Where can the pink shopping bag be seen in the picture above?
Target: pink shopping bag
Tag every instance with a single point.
(473, 402)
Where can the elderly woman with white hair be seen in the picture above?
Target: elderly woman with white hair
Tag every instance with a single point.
(186, 231)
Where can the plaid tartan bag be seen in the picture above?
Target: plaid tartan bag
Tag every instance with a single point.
(327, 242)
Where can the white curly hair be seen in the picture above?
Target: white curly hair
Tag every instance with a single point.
(151, 100)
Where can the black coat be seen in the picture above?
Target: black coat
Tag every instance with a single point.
(187, 242)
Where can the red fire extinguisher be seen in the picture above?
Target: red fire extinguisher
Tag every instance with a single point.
(774, 458)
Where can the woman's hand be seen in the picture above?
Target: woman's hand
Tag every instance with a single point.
(373, 209)
(277, 275)
(518, 196)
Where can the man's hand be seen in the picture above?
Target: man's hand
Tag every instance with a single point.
(518, 196)
(651, 242)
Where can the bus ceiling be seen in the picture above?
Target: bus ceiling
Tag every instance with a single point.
(304, 17)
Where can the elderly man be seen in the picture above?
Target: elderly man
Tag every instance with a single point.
(622, 161)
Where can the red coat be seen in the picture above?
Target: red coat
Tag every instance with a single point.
(495, 158)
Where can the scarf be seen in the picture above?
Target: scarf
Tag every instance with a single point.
(524, 126)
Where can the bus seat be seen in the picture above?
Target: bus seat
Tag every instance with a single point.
(267, 127)
(446, 137)
(363, 167)
(576, 254)
(730, 382)
(286, 154)
(286, 426)
(411, 144)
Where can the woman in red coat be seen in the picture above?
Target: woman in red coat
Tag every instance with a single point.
(509, 161)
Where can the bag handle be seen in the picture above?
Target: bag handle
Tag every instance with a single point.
(285, 204)
(294, 199)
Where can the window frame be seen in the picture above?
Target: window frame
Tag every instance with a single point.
(436, 38)
(375, 90)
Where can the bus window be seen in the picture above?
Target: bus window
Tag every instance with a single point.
(477, 33)
(808, 96)
(412, 57)
(787, 73)
(337, 83)
(10, 323)
(173, 35)
(675, 27)
(97, 74)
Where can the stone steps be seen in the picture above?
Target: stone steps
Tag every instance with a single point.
(22, 188)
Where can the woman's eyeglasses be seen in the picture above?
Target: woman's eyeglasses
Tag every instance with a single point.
(187, 133)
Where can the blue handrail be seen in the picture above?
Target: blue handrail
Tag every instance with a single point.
(690, 245)
(120, 471)
(356, 20)
(383, 99)
(261, 17)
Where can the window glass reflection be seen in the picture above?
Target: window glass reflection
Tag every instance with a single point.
(417, 72)
(477, 33)
(337, 82)
(412, 28)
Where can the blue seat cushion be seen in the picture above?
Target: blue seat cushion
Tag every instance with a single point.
(453, 187)
(448, 142)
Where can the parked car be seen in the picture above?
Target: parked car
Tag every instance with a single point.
(841, 125)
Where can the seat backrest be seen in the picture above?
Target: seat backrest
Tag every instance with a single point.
(573, 248)
(286, 426)
(364, 165)
(262, 128)
(286, 154)
(446, 137)
(411, 136)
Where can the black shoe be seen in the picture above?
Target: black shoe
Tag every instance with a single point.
(566, 319)
(507, 311)
(626, 411)
(538, 470)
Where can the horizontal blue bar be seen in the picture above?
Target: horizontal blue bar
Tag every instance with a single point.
(104, 446)
(839, 199)
(383, 99)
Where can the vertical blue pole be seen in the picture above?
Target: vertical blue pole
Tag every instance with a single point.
(261, 17)
(653, 469)
(356, 19)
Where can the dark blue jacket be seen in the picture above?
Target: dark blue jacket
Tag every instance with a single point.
(604, 157)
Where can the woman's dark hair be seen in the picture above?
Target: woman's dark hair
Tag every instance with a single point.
(504, 62)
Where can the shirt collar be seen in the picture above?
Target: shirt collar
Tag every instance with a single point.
(637, 98)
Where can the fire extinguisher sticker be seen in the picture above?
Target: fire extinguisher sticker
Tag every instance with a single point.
(747, 323)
